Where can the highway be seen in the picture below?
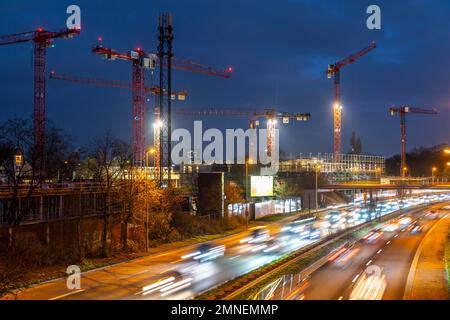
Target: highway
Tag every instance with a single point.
(169, 276)
(393, 253)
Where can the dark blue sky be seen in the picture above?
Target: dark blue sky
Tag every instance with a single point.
(279, 50)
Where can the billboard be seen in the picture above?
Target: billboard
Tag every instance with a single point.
(261, 186)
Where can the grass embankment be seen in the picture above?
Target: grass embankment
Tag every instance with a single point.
(447, 258)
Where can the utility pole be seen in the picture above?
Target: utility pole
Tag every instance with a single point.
(317, 191)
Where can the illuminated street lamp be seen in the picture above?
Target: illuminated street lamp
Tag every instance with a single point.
(152, 152)
(249, 161)
(433, 170)
(447, 150)
(378, 170)
(317, 192)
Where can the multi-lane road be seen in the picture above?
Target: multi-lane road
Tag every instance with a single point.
(393, 253)
(184, 279)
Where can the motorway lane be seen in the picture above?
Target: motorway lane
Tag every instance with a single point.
(393, 253)
(124, 280)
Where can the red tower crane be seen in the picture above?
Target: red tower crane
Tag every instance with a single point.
(42, 40)
(271, 115)
(141, 61)
(334, 70)
(154, 90)
(402, 111)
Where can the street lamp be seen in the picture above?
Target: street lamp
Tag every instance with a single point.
(378, 175)
(249, 161)
(150, 151)
(405, 170)
(433, 170)
(317, 170)
(447, 150)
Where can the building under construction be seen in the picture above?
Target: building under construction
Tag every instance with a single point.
(338, 167)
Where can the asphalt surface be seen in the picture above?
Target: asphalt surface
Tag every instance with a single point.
(126, 280)
(134, 279)
(393, 253)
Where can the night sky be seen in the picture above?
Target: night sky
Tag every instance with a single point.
(279, 51)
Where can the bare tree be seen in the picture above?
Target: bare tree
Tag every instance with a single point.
(20, 164)
(104, 167)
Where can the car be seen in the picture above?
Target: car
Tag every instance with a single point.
(205, 252)
(167, 284)
(415, 228)
(432, 215)
(373, 236)
(345, 258)
(370, 285)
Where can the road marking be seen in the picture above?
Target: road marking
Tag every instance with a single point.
(341, 298)
(388, 242)
(66, 294)
(379, 251)
(355, 278)
(369, 262)
(176, 261)
(396, 235)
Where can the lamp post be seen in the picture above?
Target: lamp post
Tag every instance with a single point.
(378, 175)
(151, 151)
(249, 161)
(433, 170)
(317, 191)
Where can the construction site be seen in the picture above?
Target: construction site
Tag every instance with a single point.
(212, 151)
(151, 111)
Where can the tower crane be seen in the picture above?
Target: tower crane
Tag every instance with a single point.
(403, 111)
(272, 117)
(334, 70)
(140, 62)
(42, 39)
(154, 90)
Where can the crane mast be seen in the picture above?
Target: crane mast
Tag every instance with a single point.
(42, 40)
(403, 111)
(334, 70)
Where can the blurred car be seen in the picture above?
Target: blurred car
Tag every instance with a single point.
(345, 258)
(415, 228)
(432, 215)
(270, 246)
(205, 252)
(370, 285)
(302, 228)
(169, 283)
(391, 226)
(343, 255)
(373, 236)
